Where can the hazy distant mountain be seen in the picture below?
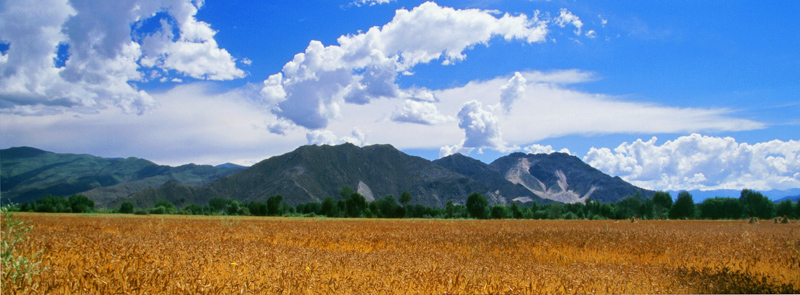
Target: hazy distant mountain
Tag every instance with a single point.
(775, 195)
(563, 178)
(311, 173)
(28, 174)
(790, 198)
(231, 165)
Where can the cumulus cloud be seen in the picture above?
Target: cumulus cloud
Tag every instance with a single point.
(544, 149)
(103, 55)
(481, 130)
(480, 126)
(327, 137)
(702, 162)
(567, 18)
(419, 113)
(364, 67)
(512, 91)
(279, 126)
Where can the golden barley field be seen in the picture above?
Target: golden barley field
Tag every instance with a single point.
(118, 254)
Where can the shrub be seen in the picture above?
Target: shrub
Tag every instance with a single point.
(126, 207)
(14, 264)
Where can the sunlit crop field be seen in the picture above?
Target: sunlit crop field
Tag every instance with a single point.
(212, 255)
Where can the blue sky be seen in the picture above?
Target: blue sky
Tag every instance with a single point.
(668, 95)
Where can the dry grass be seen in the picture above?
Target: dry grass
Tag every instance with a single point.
(213, 255)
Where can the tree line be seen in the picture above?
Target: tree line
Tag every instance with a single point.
(354, 205)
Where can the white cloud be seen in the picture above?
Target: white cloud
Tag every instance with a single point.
(481, 130)
(280, 126)
(567, 18)
(327, 137)
(559, 77)
(551, 109)
(702, 162)
(419, 113)
(195, 53)
(591, 34)
(371, 2)
(364, 67)
(512, 91)
(544, 149)
(451, 149)
(103, 57)
(195, 123)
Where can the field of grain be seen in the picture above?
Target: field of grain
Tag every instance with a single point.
(213, 255)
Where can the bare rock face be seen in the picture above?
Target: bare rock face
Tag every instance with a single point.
(544, 178)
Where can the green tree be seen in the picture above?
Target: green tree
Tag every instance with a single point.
(477, 205)
(329, 207)
(194, 209)
(786, 208)
(81, 204)
(356, 204)
(516, 212)
(797, 209)
(607, 211)
(258, 208)
(233, 207)
(499, 212)
(720, 208)
(683, 207)
(663, 202)
(387, 207)
(274, 205)
(405, 197)
(554, 211)
(217, 204)
(126, 207)
(169, 208)
(628, 207)
(756, 204)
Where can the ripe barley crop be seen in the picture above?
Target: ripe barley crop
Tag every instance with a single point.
(214, 255)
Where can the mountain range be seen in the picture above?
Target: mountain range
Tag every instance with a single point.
(27, 174)
(311, 173)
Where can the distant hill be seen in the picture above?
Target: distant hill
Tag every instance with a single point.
(311, 173)
(774, 195)
(790, 198)
(27, 174)
(555, 177)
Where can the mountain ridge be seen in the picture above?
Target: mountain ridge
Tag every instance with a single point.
(309, 174)
(28, 173)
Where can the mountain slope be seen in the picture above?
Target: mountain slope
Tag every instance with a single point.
(311, 173)
(563, 178)
(489, 176)
(28, 174)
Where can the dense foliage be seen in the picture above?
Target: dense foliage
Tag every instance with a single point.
(353, 205)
